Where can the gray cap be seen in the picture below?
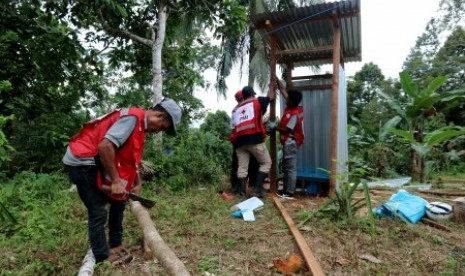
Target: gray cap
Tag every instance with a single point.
(173, 109)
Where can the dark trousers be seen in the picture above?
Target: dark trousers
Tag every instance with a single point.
(94, 199)
(252, 171)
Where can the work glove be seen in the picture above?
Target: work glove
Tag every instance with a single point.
(271, 125)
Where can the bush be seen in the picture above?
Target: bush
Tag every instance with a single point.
(191, 159)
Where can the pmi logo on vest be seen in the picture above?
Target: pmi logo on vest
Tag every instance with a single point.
(244, 116)
(246, 112)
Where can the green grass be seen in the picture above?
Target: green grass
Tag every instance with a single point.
(50, 237)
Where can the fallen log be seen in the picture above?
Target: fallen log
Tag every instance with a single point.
(162, 252)
(87, 267)
(313, 265)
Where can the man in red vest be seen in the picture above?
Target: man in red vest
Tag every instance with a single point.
(103, 160)
(291, 137)
(249, 134)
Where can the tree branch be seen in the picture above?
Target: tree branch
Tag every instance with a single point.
(122, 33)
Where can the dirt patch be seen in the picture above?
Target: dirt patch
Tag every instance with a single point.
(206, 237)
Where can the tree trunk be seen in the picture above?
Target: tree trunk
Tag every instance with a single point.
(162, 252)
(157, 53)
(414, 163)
(421, 160)
(87, 268)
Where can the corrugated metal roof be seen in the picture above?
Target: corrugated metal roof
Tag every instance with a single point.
(305, 35)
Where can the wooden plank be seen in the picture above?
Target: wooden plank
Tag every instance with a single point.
(435, 224)
(308, 51)
(334, 108)
(314, 87)
(312, 264)
(272, 95)
(313, 77)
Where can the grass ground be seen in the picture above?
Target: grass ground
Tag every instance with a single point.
(199, 228)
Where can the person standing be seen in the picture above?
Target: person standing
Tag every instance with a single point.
(103, 160)
(249, 132)
(292, 137)
(234, 165)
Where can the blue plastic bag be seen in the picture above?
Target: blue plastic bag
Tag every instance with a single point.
(407, 207)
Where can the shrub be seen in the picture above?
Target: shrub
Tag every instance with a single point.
(191, 159)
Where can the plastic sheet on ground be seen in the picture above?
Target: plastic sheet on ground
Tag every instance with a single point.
(246, 208)
(391, 183)
(403, 205)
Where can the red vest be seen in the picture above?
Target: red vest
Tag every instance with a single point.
(247, 119)
(299, 127)
(127, 157)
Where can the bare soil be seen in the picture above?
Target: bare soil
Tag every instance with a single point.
(202, 232)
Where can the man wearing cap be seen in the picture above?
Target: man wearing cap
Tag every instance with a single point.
(250, 133)
(103, 160)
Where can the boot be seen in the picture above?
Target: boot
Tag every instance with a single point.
(258, 189)
(241, 186)
(235, 186)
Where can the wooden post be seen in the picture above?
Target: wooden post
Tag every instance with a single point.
(334, 106)
(273, 171)
(289, 84)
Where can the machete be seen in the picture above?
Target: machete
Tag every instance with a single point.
(147, 203)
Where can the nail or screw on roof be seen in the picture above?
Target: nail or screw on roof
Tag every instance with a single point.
(304, 35)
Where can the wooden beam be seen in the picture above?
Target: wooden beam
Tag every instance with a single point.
(334, 110)
(314, 87)
(313, 265)
(312, 77)
(314, 50)
(273, 151)
(320, 58)
(269, 27)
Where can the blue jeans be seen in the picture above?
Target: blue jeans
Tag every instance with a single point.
(85, 178)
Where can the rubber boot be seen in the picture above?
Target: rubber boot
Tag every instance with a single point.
(235, 186)
(258, 189)
(241, 186)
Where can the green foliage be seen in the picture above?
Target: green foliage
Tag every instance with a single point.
(415, 112)
(343, 206)
(50, 225)
(192, 158)
(50, 72)
(217, 123)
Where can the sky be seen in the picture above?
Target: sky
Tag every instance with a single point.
(389, 30)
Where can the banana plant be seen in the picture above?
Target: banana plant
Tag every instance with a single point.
(430, 139)
(419, 107)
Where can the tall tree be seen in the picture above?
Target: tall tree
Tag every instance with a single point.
(148, 23)
(450, 61)
(363, 87)
(49, 72)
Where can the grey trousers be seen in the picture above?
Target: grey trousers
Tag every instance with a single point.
(260, 153)
(290, 165)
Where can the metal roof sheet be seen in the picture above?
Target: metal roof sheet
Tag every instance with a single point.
(304, 35)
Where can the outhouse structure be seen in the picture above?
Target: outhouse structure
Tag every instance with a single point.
(313, 36)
